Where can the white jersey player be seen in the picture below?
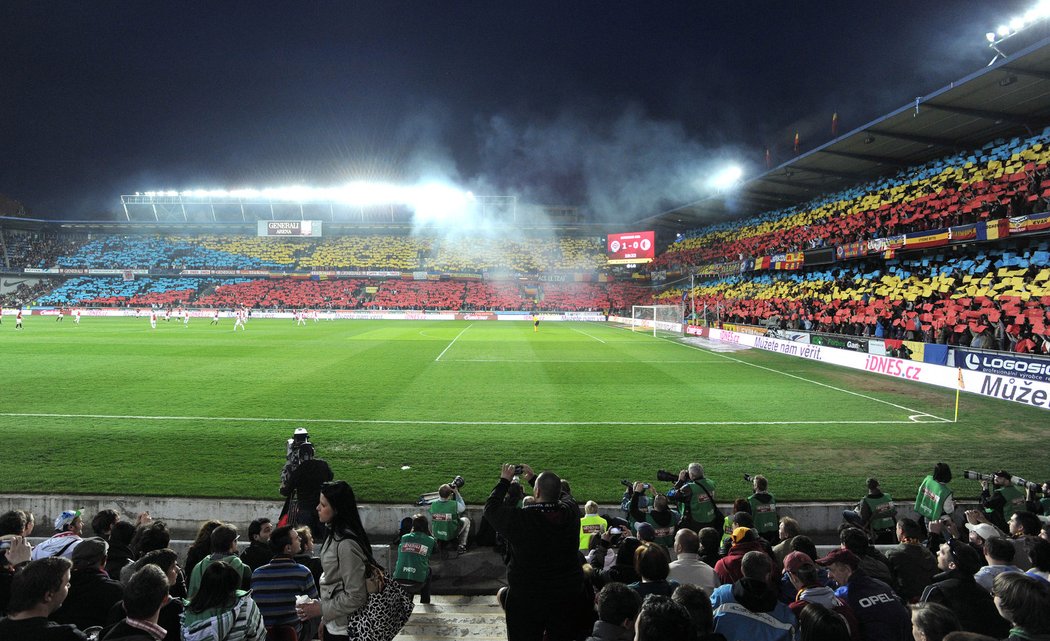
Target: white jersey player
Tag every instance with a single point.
(18, 320)
(315, 315)
(239, 321)
(185, 318)
(153, 319)
(76, 317)
(300, 318)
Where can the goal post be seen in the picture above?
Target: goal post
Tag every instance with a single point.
(658, 319)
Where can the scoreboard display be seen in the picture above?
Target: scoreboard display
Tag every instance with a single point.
(631, 247)
(289, 228)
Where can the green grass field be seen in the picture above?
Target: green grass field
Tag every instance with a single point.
(113, 407)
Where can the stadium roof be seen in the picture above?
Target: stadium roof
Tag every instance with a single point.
(1008, 98)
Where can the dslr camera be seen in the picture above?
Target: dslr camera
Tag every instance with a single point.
(667, 477)
(749, 478)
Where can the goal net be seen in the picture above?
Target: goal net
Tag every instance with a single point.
(660, 320)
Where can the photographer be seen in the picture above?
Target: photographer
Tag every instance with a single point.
(935, 500)
(448, 516)
(544, 577)
(999, 505)
(1038, 505)
(663, 519)
(696, 494)
(763, 509)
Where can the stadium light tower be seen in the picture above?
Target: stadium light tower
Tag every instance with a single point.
(1038, 13)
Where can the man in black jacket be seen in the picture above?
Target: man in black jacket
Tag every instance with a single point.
(545, 574)
(957, 589)
(91, 592)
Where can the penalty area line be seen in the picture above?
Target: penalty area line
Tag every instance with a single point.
(366, 421)
(580, 331)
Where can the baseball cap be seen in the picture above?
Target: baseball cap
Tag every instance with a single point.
(795, 560)
(984, 530)
(90, 550)
(66, 518)
(742, 534)
(1003, 474)
(645, 531)
(840, 555)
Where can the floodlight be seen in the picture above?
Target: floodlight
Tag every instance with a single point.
(990, 36)
(1003, 31)
(727, 177)
(1017, 24)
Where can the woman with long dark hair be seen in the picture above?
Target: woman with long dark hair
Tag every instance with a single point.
(345, 555)
(219, 610)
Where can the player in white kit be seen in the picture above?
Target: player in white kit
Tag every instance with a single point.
(153, 319)
(76, 317)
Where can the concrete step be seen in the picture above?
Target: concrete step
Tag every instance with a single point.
(477, 618)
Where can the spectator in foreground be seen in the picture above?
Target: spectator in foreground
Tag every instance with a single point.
(911, 564)
(1024, 601)
(167, 561)
(880, 613)
(306, 553)
(805, 578)
(687, 568)
(956, 588)
(617, 606)
(752, 610)
(999, 553)
(729, 568)
(653, 566)
(201, 546)
(144, 597)
(817, 623)
(36, 591)
(120, 553)
(91, 592)
(218, 605)
(932, 622)
(545, 577)
(223, 548)
(788, 529)
(698, 604)
(276, 584)
(661, 619)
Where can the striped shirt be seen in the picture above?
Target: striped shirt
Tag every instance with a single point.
(275, 586)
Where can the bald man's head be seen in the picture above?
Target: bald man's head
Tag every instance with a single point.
(548, 487)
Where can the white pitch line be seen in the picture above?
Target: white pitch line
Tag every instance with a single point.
(808, 380)
(259, 419)
(533, 360)
(452, 343)
(580, 331)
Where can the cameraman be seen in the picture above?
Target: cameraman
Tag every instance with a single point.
(663, 519)
(697, 496)
(1000, 504)
(448, 516)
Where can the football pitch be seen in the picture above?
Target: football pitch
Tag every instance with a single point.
(398, 407)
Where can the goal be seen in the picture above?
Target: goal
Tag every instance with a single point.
(658, 319)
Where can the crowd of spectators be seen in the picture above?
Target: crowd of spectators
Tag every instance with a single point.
(572, 574)
(1004, 178)
(996, 298)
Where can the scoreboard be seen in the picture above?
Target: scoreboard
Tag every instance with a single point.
(289, 228)
(631, 247)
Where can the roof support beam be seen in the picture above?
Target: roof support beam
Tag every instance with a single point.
(922, 140)
(882, 160)
(790, 183)
(995, 116)
(829, 172)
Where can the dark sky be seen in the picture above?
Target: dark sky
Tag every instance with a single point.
(619, 107)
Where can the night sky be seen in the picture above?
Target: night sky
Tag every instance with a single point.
(620, 108)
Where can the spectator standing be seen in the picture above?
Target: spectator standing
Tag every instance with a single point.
(545, 577)
(748, 608)
(591, 525)
(68, 528)
(617, 607)
(276, 584)
(687, 568)
(345, 555)
(764, 509)
(258, 553)
(448, 514)
(91, 592)
(36, 591)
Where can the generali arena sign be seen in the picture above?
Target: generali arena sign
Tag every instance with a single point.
(1007, 388)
